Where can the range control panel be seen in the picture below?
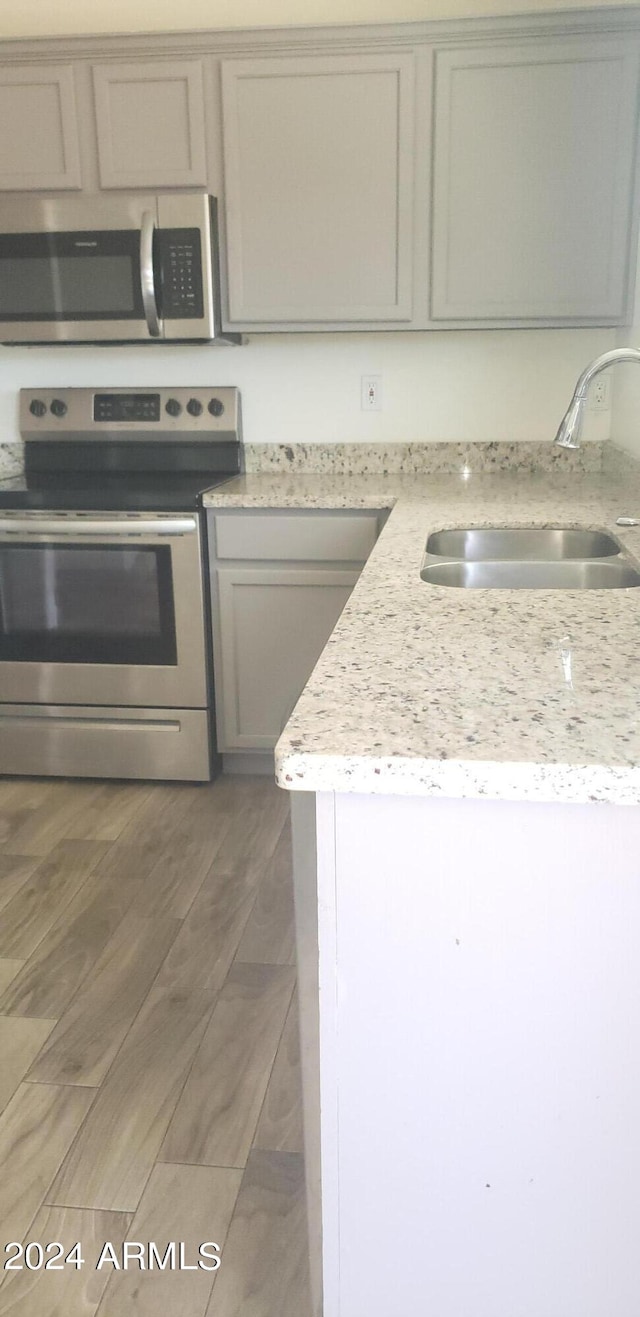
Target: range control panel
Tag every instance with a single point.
(209, 413)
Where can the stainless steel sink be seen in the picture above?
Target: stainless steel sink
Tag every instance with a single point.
(607, 574)
(537, 543)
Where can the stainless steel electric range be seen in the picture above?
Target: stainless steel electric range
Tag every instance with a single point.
(105, 655)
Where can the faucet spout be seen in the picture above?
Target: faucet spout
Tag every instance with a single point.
(570, 427)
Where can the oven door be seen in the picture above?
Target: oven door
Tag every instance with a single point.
(102, 610)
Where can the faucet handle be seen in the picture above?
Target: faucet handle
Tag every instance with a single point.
(627, 521)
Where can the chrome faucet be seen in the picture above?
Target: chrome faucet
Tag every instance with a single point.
(568, 435)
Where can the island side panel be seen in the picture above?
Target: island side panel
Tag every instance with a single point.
(313, 831)
(488, 1068)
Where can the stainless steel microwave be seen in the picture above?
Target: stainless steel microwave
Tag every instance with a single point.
(131, 268)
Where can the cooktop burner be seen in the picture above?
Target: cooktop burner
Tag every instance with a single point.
(135, 491)
(149, 450)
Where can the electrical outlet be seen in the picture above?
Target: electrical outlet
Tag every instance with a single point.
(371, 393)
(599, 396)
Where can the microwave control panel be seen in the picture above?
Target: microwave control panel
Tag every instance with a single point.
(180, 259)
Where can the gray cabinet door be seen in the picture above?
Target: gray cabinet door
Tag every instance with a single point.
(39, 137)
(150, 124)
(274, 623)
(533, 180)
(319, 186)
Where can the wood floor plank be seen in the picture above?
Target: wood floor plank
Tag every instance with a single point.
(160, 812)
(264, 1270)
(215, 857)
(188, 854)
(170, 846)
(269, 937)
(8, 971)
(14, 872)
(70, 1292)
(36, 1129)
(24, 792)
(47, 824)
(111, 1160)
(193, 1204)
(280, 1124)
(62, 960)
(199, 960)
(256, 825)
(89, 1033)
(106, 816)
(12, 821)
(37, 904)
(217, 1114)
(20, 1042)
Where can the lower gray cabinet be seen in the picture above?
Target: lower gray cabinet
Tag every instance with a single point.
(274, 606)
(275, 622)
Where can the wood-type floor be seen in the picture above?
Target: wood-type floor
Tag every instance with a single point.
(149, 1066)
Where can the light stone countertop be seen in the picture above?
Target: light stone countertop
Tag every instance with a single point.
(428, 690)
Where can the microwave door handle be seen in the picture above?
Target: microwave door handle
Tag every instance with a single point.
(146, 274)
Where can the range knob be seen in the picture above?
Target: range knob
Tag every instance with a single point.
(216, 407)
(58, 407)
(37, 407)
(173, 407)
(194, 407)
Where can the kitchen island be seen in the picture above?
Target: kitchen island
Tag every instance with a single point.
(463, 767)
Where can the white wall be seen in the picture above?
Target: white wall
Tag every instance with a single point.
(49, 17)
(461, 385)
(625, 415)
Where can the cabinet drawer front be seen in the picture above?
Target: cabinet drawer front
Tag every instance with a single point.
(310, 537)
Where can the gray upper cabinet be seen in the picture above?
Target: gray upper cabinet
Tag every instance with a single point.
(319, 181)
(150, 124)
(533, 181)
(482, 175)
(39, 138)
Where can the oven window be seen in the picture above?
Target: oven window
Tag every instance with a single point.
(87, 604)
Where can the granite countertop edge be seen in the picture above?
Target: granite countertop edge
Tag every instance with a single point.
(431, 691)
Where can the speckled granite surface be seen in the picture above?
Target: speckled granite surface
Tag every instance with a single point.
(399, 458)
(528, 695)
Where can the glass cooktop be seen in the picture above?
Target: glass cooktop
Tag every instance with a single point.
(125, 492)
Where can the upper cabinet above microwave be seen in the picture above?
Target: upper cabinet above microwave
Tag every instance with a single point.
(402, 177)
(39, 146)
(150, 124)
(134, 125)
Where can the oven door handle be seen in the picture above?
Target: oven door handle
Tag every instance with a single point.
(147, 284)
(74, 527)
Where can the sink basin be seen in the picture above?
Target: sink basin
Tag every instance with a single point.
(538, 543)
(607, 574)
